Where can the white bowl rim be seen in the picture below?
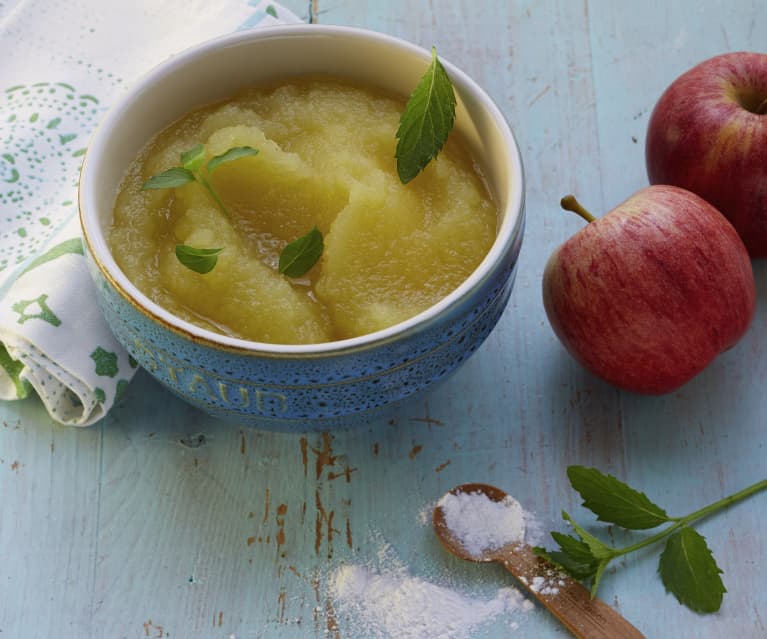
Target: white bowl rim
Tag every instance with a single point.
(512, 224)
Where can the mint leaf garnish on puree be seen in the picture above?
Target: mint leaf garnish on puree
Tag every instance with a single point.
(300, 255)
(426, 121)
(687, 566)
(170, 179)
(200, 260)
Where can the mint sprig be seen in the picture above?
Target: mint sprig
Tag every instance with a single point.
(426, 121)
(687, 567)
(199, 260)
(189, 171)
(296, 258)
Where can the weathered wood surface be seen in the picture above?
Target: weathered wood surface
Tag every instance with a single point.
(162, 522)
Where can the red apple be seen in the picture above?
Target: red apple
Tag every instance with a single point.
(708, 134)
(648, 295)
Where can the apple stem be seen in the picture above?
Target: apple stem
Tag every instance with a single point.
(569, 203)
(762, 108)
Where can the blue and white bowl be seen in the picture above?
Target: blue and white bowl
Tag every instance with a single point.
(290, 387)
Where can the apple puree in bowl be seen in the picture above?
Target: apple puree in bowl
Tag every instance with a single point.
(325, 159)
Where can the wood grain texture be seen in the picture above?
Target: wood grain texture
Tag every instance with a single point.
(161, 522)
(586, 617)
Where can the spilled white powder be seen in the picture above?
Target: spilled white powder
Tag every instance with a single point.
(481, 524)
(535, 531)
(383, 605)
(425, 514)
(387, 602)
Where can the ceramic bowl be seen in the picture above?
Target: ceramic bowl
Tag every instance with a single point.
(316, 386)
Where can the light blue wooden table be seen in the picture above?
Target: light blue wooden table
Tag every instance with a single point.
(162, 522)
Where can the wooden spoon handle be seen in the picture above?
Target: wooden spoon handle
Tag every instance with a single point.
(567, 599)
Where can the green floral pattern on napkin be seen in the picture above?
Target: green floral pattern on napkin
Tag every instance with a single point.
(43, 127)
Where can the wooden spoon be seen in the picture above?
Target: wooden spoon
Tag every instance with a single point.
(567, 599)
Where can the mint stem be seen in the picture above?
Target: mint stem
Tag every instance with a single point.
(213, 194)
(679, 522)
(569, 203)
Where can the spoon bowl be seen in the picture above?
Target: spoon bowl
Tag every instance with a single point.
(567, 599)
(448, 536)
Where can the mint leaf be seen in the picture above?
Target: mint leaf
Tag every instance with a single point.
(597, 548)
(575, 557)
(688, 570)
(229, 156)
(600, 551)
(615, 502)
(573, 567)
(192, 159)
(578, 550)
(177, 176)
(426, 121)
(301, 254)
(199, 260)
(575, 548)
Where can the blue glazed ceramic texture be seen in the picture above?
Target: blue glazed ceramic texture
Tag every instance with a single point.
(301, 393)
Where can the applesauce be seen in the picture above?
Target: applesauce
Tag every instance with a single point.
(325, 159)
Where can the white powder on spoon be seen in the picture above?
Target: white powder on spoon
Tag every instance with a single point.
(481, 524)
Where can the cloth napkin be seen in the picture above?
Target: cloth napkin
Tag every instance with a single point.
(64, 64)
